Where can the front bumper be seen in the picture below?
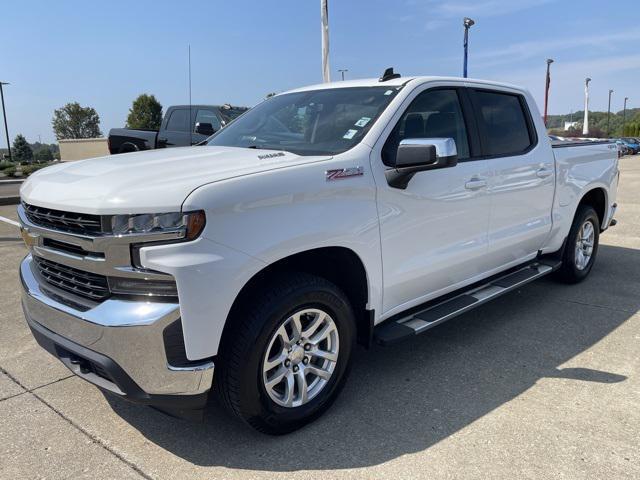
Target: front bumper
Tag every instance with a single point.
(118, 345)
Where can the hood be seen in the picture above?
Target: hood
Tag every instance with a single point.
(147, 182)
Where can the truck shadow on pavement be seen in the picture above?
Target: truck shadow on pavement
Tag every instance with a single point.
(406, 398)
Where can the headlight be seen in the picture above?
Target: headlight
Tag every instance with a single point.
(191, 223)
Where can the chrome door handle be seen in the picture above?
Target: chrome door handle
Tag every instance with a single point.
(475, 184)
(544, 173)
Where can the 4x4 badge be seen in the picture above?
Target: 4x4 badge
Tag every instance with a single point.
(343, 173)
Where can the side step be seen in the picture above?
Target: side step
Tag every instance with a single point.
(421, 321)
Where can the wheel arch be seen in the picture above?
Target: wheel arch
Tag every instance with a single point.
(340, 265)
(596, 198)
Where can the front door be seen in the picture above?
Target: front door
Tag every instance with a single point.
(434, 232)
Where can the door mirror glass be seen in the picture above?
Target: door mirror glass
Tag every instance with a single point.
(204, 128)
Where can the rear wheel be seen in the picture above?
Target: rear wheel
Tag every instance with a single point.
(581, 247)
(287, 355)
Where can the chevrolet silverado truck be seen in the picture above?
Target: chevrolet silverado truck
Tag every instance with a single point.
(331, 216)
(182, 125)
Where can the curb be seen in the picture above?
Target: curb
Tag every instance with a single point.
(15, 200)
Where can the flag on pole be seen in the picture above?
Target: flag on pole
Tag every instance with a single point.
(324, 12)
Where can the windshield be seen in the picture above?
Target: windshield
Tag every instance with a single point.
(232, 113)
(318, 122)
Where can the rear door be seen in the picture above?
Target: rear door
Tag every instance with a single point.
(523, 176)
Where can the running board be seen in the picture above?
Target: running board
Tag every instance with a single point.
(421, 321)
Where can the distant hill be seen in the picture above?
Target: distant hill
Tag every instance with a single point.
(597, 123)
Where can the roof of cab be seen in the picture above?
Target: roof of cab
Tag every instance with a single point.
(400, 81)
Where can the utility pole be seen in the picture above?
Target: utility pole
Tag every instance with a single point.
(342, 72)
(624, 114)
(546, 90)
(609, 114)
(324, 15)
(468, 23)
(585, 124)
(4, 114)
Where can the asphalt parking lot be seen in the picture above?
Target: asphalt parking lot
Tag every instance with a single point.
(541, 383)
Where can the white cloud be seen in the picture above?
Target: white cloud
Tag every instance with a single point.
(488, 8)
(535, 48)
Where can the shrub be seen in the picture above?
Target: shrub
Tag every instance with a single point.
(5, 164)
(29, 169)
(10, 171)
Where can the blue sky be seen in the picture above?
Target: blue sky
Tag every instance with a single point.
(104, 54)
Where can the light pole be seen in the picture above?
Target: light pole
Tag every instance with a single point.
(585, 124)
(546, 89)
(468, 23)
(624, 114)
(609, 114)
(342, 72)
(4, 114)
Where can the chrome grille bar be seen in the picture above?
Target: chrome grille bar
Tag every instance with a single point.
(84, 284)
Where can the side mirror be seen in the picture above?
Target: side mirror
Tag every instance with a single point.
(205, 129)
(419, 154)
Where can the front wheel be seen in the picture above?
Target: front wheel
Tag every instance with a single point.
(286, 357)
(581, 247)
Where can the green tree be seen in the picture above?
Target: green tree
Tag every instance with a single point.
(75, 121)
(44, 155)
(145, 113)
(21, 149)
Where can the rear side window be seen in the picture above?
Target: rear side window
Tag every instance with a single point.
(505, 130)
(179, 120)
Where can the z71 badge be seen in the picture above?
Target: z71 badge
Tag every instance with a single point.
(339, 173)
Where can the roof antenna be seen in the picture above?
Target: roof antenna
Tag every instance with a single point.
(388, 75)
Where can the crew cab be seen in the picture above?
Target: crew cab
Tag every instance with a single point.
(182, 125)
(326, 217)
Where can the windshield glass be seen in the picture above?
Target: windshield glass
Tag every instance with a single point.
(232, 113)
(318, 122)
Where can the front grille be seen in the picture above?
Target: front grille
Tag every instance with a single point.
(81, 223)
(84, 284)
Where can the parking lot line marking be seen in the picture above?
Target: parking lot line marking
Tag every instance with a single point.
(9, 221)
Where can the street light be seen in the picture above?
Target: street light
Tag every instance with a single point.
(468, 23)
(585, 124)
(4, 114)
(546, 90)
(624, 114)
(609, 114)
(342, 71)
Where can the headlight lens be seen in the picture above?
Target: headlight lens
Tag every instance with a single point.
(191, 223)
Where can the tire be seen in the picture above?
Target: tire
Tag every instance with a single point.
(573, 269)
(256, 340)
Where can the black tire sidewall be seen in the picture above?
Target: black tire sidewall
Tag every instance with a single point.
(256, 406)
(571, 271)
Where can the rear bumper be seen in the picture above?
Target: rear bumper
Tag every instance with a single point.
(119, 346)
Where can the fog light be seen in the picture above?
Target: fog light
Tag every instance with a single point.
(135, 286)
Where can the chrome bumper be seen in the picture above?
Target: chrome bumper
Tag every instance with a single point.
(127, 333)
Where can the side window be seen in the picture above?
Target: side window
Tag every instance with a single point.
(179, 120)
(207, 116)
(432, 114)
(504, 128)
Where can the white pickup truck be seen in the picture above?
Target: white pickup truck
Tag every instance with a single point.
(329, 216)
